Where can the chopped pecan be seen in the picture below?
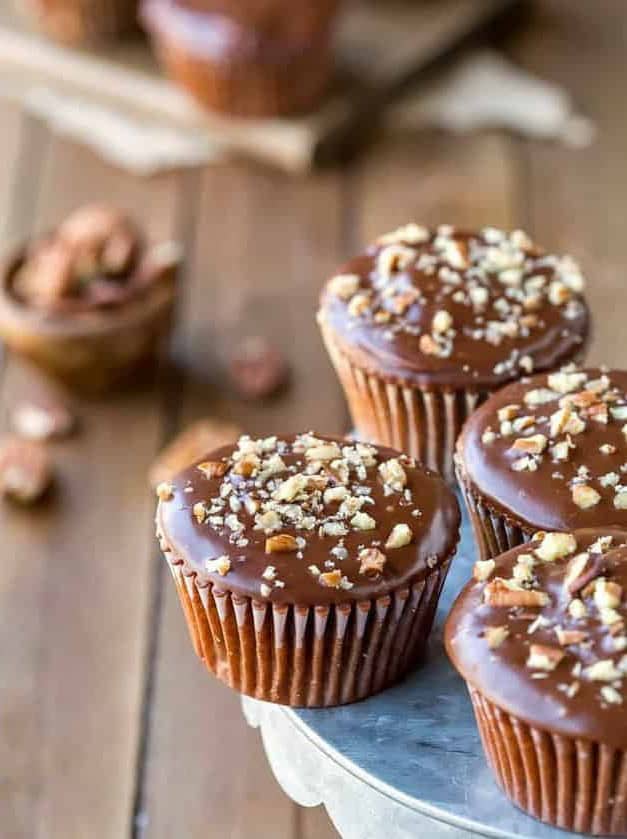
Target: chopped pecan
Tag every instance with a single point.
(198, 439)
(42, 420)
(221, 564)
(482, 569)
(46, 276)
(400, 536)
(498, 593)
(495, 636)
(555, 546)
(213, 468)
(247, 465)
(543, 657)
(25, 470)
(281, 543)
(372, 562)
(428, 345)
(585, 496)
(566, 637)
(535, 444)
(582, 570)
(344, 285)
(331, 579)
(442, 322)
(257, 369)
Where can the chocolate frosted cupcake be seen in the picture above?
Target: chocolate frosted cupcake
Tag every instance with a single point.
(426, 324)
(546, 453)
(539, 637)
(234, 69)
(308, 568)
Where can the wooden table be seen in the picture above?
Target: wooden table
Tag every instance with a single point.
(109, 727)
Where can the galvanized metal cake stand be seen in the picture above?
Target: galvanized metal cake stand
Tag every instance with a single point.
(405, 763)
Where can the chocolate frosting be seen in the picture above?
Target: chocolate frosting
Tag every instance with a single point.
(220, 37)
(570, 699)
(456, 308)
(544, 499)
(424, 504)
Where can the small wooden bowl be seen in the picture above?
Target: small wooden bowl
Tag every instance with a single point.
(96, 351)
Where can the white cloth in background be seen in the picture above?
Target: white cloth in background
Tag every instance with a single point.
(140, 146)
(482, 90)
(485, 89)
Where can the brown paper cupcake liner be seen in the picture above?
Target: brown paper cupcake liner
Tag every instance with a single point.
(424, 423)
(574, 784)
(238, 84)
(85, 21)
(494, 534)
(302, 656)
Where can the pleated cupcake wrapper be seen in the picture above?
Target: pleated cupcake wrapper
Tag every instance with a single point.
(308, 656)
(494, 534)
(424, 423)
(571, 783)
(86, 20)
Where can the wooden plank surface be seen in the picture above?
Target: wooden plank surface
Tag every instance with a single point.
(576, 198)
(109, 726)
(79, 581)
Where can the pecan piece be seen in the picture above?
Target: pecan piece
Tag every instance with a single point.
(25, 470)
(42, 420)
(543, 657)
(372, 561)
(535, 444)
(257, 369)
(495, 635)
(190, 445)
(566, 637)
(582, 570)
(281, 543)
(499, 593)
(46, 276)
(213, 468)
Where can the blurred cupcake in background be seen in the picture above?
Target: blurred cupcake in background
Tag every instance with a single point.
(83, 21)
(274, 64)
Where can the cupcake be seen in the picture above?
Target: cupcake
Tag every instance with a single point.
(90, 303)
(539, 637)
(308, 568)
(546, 453)
(235, 69)
(426, 324)
(84, 21)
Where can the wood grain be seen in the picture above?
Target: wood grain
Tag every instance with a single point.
(79, 583)
(576, 198)
(18, 598)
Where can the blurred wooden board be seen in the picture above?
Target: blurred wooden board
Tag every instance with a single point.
(380, 45)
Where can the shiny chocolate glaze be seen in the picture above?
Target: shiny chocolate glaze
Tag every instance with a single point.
(435, 531)
(561, 701)
(220, 37)
(543, 499)
(503, 323)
